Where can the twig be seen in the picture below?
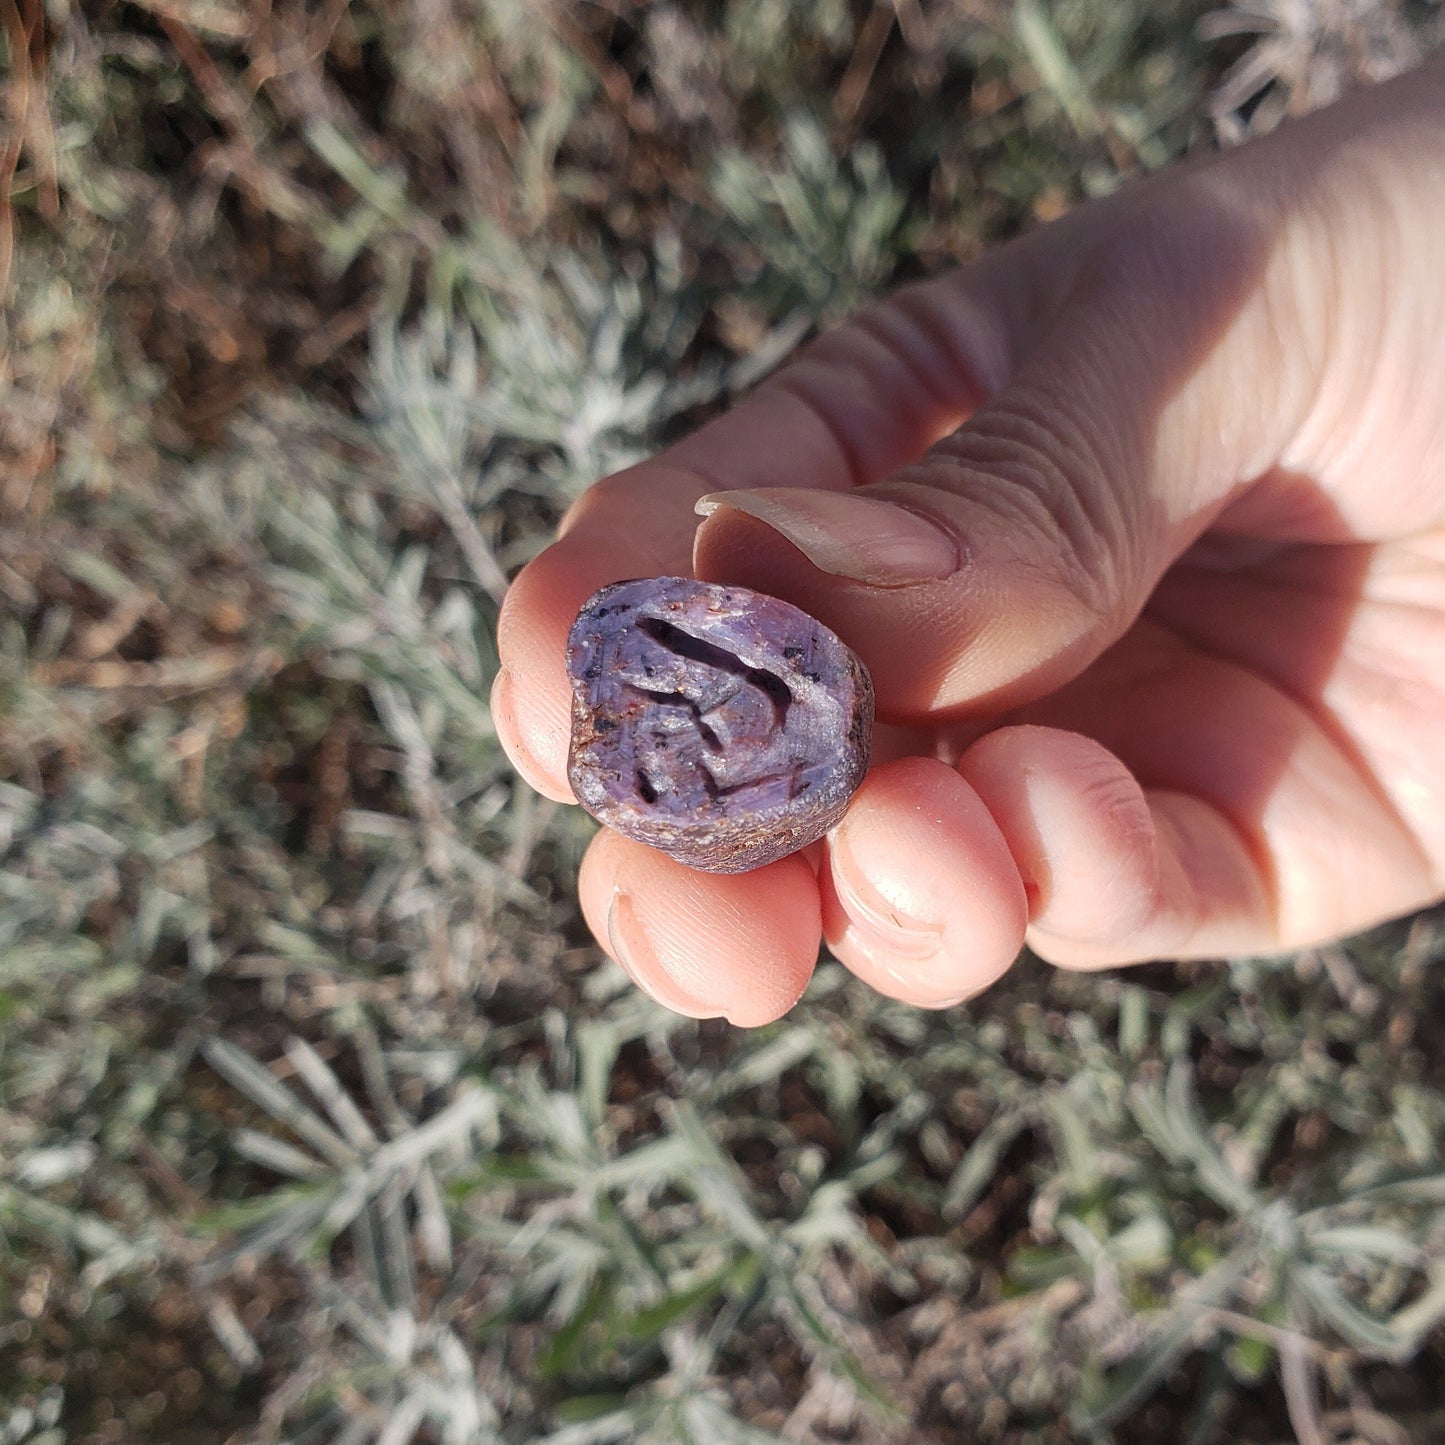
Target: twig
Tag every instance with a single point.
(1270, 1334)
(21, 35)
(867, 51)
(267, 187)
(475, 549)
(1297, 1377)
(193, 673)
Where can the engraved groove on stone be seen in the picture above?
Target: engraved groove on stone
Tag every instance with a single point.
(680, 699)
(694, 649)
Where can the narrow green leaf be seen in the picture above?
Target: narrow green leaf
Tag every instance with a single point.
(647, 1324)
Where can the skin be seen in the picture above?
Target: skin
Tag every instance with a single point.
(1139, 523)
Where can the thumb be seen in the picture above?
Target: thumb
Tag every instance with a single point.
(1171, 378)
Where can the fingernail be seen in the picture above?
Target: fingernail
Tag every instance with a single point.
(907, 949)
(883, 923)
(861, 538)
(634, 955)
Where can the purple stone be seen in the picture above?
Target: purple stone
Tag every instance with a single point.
(724, 727)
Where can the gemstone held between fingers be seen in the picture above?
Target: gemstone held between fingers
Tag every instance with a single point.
(726, 728)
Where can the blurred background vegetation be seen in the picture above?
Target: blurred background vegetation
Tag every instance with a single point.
(320, 1117)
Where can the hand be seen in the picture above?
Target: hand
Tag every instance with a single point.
(1140, 525)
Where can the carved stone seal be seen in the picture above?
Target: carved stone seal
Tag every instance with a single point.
(722, 726)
